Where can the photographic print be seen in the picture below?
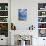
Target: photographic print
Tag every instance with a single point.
(4, 29)
(3, 19)
(22, 14)
(42, 32)
(41, 19)
(41, 25)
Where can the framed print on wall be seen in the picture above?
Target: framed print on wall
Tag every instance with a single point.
(22, 14)
(42, 33)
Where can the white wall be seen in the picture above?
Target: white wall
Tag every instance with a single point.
(32, 13)
(31, 7)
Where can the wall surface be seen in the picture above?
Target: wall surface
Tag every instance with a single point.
(32, 14)
(31, 7)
